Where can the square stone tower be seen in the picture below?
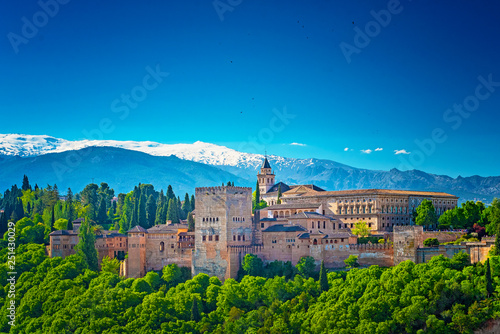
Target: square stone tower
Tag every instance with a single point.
(223, 220)
(407, 239)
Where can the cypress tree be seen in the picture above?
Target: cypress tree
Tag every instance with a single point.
(52, 220)
(192, 203)
(151, 211)
(232, 184)
(323, 280)
(228, 183)
(70, 210)
(186, 206)
(86, 245)
(497, 240)
(195, 312)
(26, 183)
(489, 281)
(257, 194)
(28, 209)
(143, 222)
(190, 219)
(180, 213)
(279, 195)
(172, 211)
(102, 216)
(160, 207)
(170, 193)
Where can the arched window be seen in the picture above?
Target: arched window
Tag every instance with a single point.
(162, 246)
(315, 242)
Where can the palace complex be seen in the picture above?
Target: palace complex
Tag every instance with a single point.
(309, 221)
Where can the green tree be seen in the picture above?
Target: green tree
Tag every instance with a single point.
(90, 200)
(61, 224)
(86, 245)
(102, 215)
(161, 213)
(195, 312)
(323, 280)
(489, 281)
(497, 241)
(351, 261)
(172, 212)
(186, 205)
(361, 229)
(252, 265)
(257, 193)
(190, 220)
(192, 203)
(26, 183)
(150, 211)
(426, 214)
(70, 209)
(170, 193)
(143, 221)
(172, 274)
(279, 194)
(110, 265)
(431, 242)
(306, 266)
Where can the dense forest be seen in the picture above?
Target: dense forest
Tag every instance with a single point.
(64, 296)
(46, 209)
(74, 295)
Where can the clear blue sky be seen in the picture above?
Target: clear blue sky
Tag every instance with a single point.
(227, 76)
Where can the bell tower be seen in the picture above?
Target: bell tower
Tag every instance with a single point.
(265, 177)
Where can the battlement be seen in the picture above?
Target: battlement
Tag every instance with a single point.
(408, 228)
(220, 189)
(363, 247)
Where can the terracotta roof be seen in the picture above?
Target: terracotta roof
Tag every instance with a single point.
(384, 192)
(162, 228)
(334, 236)
(305, 187)
(267, 219)
(274, 189)
(137, 228)
(110, 234)
(284, 228)
(308, 215)
(64, 232)
(293, 206)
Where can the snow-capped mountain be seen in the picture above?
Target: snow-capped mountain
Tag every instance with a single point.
(36, 154)
(210, 154)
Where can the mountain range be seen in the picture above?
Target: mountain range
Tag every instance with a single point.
(123, 164)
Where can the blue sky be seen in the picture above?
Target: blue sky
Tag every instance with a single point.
(350, 75)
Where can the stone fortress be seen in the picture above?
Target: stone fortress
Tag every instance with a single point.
(309, 221)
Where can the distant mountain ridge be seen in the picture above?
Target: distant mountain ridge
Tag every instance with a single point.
(29, 154)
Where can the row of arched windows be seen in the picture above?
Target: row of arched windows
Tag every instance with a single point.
(239, 237)
(210, 219)
(238, 219)
(211, 237)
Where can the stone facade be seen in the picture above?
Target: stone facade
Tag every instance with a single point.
(223, 220)
(108, 243)
(309, 222)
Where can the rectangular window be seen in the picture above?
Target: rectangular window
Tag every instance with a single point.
(217, 238)
(209, 238)
(204, 238)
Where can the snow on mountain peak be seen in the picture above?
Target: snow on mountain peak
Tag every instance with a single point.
(207, 153)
